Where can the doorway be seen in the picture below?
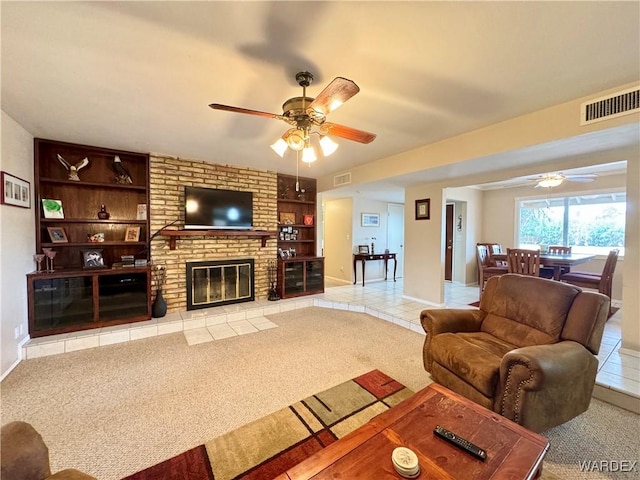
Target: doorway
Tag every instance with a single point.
(448, 254)
(395, 234)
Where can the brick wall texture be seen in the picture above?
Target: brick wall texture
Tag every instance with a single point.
(168, 176)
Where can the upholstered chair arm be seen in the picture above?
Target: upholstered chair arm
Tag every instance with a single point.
(445, 320)
(545, 385)
(70, 474)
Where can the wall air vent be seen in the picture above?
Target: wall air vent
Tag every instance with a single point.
(343, 179)
(615, 105)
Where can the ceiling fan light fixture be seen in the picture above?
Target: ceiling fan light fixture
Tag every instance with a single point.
(327, 145)
(309, 154)
(296, 138)
(552, 181)
(280, 147)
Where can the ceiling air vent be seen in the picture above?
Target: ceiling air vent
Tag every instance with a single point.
(343, 179)
(612, 106)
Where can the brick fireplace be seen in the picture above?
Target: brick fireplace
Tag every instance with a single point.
(168, 176)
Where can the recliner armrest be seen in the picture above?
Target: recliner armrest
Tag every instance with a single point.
(545, 373)
(436, 321)
(445, 320)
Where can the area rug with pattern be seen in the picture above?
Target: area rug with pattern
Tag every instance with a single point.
(269, 446)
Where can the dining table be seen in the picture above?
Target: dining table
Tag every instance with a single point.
(557, 261)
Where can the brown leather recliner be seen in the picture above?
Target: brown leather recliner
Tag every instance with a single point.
(26, 457)
(528, 353)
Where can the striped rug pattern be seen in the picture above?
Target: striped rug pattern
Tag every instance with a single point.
(271, 445)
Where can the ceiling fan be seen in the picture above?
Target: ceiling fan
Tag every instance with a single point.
(307, 116)
(550, 180)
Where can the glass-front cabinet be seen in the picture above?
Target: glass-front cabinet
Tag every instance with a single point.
(61, 302)
(301, 276)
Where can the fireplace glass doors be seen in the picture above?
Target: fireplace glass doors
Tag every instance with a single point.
(219, 283)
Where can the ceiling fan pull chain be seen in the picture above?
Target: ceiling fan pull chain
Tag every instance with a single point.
(297, 165)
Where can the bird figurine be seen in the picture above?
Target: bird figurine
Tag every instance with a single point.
(73, 169)
(122, 174)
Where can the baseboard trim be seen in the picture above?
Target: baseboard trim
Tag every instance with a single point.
(22, 343)
(423, 301)
(628, 351)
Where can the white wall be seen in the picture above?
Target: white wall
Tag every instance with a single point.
(338, 219)
(631, 267)
(423, 241)
(17, 244)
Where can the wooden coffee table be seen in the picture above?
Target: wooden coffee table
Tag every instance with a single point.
(513, 452)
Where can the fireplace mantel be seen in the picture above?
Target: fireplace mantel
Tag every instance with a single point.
(174, 234)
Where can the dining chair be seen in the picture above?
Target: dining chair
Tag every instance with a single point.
(558, 249)
(524, 262)
(491, 249)
(485, 269)
(603, 282)
(548, 272)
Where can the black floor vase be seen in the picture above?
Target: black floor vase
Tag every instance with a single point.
(159, 307)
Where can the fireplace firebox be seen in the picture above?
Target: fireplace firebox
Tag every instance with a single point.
(219, 282)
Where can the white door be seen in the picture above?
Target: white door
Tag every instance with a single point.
(395, 236)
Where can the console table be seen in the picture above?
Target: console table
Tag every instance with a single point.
(366, 257)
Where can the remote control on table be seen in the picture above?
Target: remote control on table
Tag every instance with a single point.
(460, 442)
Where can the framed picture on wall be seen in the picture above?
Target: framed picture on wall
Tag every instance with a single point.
(423, 209)
(15, 191)
(370, 220)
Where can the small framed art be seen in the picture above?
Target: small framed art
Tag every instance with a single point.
(363, 249)
(370, 220)
(57, 235)
(52, 208)
(423, 209)
(287, 218)
(132, 234)
(15, 191)
(92, 258)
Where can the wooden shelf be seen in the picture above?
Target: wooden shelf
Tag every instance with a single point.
(92, 245)
(111, 186)
(91, 220)
(81, 298)
(264, 235)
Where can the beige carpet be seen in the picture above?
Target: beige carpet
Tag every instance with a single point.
(115, 410)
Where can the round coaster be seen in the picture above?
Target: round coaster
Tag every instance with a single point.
(405, 462)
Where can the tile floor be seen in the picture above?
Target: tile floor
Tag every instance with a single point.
(618, 379)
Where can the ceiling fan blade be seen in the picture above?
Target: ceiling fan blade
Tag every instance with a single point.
(218, 106)
(580, 178)
(335, 94)
(347, 132)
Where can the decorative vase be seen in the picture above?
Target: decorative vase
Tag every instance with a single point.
(103, 214)
(159, 307)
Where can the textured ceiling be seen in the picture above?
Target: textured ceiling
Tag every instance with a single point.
(140, 75)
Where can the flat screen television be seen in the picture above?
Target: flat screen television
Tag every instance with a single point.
(212, 209)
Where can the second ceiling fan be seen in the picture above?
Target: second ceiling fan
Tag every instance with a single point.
(307, 116)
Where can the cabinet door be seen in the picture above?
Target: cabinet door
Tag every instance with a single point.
(293, 278)
(314, 281)
(62, 302)
(122, 296)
